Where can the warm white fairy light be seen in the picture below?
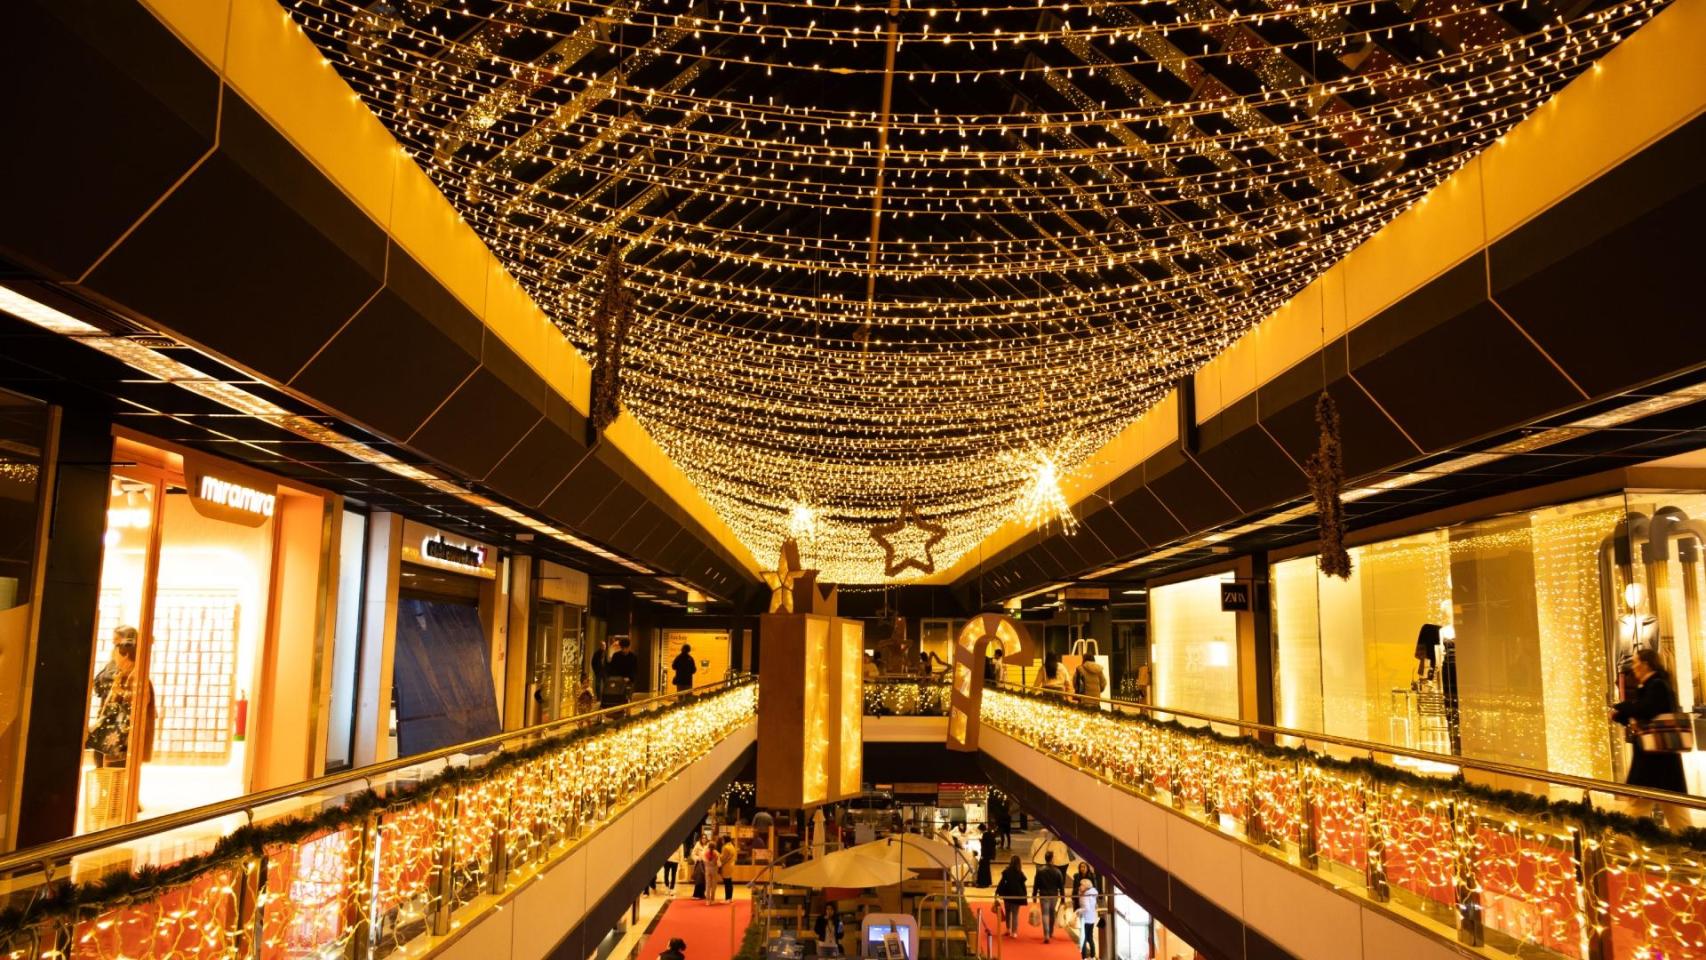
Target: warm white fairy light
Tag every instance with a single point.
(1043, 503)
(1073, 195)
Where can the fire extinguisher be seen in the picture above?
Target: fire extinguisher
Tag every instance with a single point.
(241, 722)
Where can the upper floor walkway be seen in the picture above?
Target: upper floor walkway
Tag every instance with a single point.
(1251, 841)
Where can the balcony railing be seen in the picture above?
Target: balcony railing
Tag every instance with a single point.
(906, 696)
(1507, 859)
(357, 864)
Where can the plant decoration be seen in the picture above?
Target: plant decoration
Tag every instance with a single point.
(887, 533)
(69, 902)
(610, 331)
(1326, 471)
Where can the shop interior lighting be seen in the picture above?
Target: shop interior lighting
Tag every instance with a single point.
(1540, 439)
(145, 359)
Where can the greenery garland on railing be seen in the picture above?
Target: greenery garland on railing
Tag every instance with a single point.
(1515, 801)
(68, 901)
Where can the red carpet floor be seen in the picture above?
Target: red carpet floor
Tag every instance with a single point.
(704, 926)
(1029, 944)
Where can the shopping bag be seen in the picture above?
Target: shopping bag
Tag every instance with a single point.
(1035, 916)
(1667, 733)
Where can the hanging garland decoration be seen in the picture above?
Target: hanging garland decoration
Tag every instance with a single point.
(1181, 733)
(610, 330)
(1326, 471)
(69, 901)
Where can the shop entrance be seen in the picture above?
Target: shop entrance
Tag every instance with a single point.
(210, 587)
(443, 686)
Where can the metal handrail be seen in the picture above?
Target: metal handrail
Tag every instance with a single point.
(1370, 747)
(57, 851)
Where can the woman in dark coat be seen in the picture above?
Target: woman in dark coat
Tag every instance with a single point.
(1653, 695)
(1011, 890)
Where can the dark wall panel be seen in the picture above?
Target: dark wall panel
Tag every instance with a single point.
(93, 83)
(400, 356)
(1191, 495)
(1253, 469)
(530, 471)
(480, 423)
(1371, 440)
(256, 256)
(1472, 374)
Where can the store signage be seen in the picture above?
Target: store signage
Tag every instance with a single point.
(1234, 597)
(456, 554)
(430, 547)
(1084, 593)
(221, 492)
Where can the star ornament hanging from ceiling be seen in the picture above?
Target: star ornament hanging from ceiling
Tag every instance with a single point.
(781, 580)
(889, 533)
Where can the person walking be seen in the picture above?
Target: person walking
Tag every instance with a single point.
(1052, 677)
(677, 950)
(1048, 885)
(684, 667)
(1003, 823)
(671, 864)
(1090, 679)
(1081, 873)
(1087, 897)
(1653, 695)
(696, 861)
(1011, 890)
(726, 866)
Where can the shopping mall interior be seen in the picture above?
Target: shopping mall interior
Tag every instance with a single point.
(898, 479)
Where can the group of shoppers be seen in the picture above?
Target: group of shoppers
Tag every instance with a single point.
(711, 862)
(1055, 900)
(1088, 680)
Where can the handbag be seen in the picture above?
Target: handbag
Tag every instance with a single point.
(1666, 733)
(1035, 916)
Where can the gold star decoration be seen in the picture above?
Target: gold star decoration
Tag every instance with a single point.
(781, 580)
(889, 532)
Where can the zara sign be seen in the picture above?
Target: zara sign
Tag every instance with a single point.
(1234, 596)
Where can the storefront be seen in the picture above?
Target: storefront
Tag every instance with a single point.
(451, 630)
(710, 654)
(1498, 638)
(1202, 631)
(557, 655)
(217, 585)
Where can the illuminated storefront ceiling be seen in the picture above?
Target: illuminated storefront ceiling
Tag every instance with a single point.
(855, 308)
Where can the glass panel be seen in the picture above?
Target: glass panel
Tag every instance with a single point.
(204, 655)
(24, 426)
(1195, 648)
(346, 641)
(107, 788)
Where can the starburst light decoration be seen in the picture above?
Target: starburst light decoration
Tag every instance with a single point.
(1043, 503)
(858, 245)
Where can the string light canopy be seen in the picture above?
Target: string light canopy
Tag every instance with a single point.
(862, 238)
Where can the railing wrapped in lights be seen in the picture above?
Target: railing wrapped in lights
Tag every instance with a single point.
(383, 868)
(906, 696)
(1515, 872)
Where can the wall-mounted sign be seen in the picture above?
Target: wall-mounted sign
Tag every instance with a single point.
(562, 584)
(221, 491)
(1084, 593)
(1234, 596)
(430, 547)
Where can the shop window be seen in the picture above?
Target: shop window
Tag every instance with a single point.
(1497, 639)
(206, 631)
(25, 427)
(346, 639)
(1194, 648)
